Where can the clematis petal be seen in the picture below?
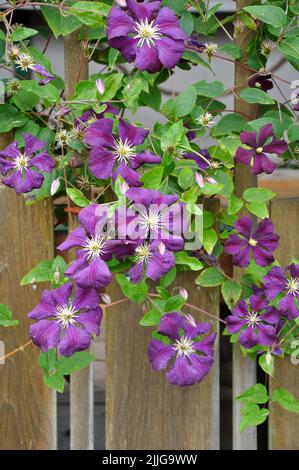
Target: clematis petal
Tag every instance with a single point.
(119, 23)
(75, 339)
(144, 157)
(96, 275)
(91, 320)
(248, 338)
(99, 133)
(147, 58)
(249, 138)
(76, 237)
(170, 325)
(43, 162)
(265, 132)
(143, 10)
(170, 51)
(159, 354)
(45, 334)
(32, 144)
(169, 24)
(101, 163)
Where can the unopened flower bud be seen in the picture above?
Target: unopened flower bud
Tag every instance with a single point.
(123, 187)
(183, 293)
(55, 186)
(161, 248)
(100, 86)
(56, 276)
(199, 180)
(106, 299)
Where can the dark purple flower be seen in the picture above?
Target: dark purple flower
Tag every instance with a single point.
(256, 156)
(255, 318)
(95, 247)
(146, 34)
(152, 260)
(64, 321)
(286, 282)
(117, 155)
(194, 41)
(157, 218)
(193, 355)
(203, 162)
(47, 76)
(261, 243)
(25, 167)
(295, 100)
(89, 116)
(262, 81)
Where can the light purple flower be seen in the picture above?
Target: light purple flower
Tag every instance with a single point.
(47, 76)
(260, 242)
(95, 248)
(255, 318)
(146, 34)
(189, 355)
(65, 321)
(286, 282)
(150, 262)
(117, 155)
(25, 166)
(256, 156)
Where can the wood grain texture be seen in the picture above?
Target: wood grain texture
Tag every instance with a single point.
(143, 411)
(283, 425)
(27, 406)
(81, 390)
(244, 370)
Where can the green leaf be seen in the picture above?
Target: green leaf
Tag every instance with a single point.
(269, 14)
(255, 394)
(131, 93)
(186, 22)
(40, 273)
(176, 5)
(232, 122)
(234, 204)
(259, 209)
(151, 318)
(255, 95)
(152, 178)
(182, 258)
(78, 361)
(195, 58)
(6, 316)
(266, 362)
(185, 102)
(60, 25)
(211, 90)
(77, 197)
(11, 117)
(186, 178)
(258, 194)
(168, 278)
(286, 400)
(57, 271)
(90, 13)
(21, 33)
(47, 92)
(135, 292)
(232, 50)
(210, 277)
(209, 239)
(252, 415)
(231, 291)
(290, 50)
(293, 132)
(174, 304)
(112, 85)
(172, 137)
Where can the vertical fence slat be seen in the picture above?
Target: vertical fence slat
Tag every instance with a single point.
(143, 411)
(283, 425)
(27, 406)
(244, 369)
(81, 391)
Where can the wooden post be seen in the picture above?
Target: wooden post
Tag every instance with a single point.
(283, 425)
(244, 369)
(27, 406)
(143, 411)
(81, 392)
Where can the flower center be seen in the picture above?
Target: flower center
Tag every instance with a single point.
(25, 62)
(21, 163)
(252, 241)
(252, 319)
(259, 150)
(66, 315)
(147, 32)
(183, 346)
(150, 220)
(94, 247)
(293, 286)
(143, 253)
(123, 151)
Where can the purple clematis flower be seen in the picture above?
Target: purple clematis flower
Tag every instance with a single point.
(261, 243)
(113, 156)
(256, 156)
(157, 219)
(25, 167)
(152, 261)
(203, 162)
(95, 247)
(286, 282)
(295, 100)
(193, 355)
(262, 81)
(146, 34)
(64, 321)
(47, 76)
(258, 318)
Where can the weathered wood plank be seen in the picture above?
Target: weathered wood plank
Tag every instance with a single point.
(143, 411)
(27, 406)
(244, 370)
(81, 390)
(283, 425)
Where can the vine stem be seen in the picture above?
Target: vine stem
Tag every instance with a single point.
(20, 348)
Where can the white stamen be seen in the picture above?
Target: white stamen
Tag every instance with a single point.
(183, 346)
(205, 120)
(66, 315)
(25, 62)
(252, 241)
(21, 162)
(293, 286)
(123, 151)
(252, 318)
(94, 247)
(147, 32)
(150, 220)
(143, 253)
